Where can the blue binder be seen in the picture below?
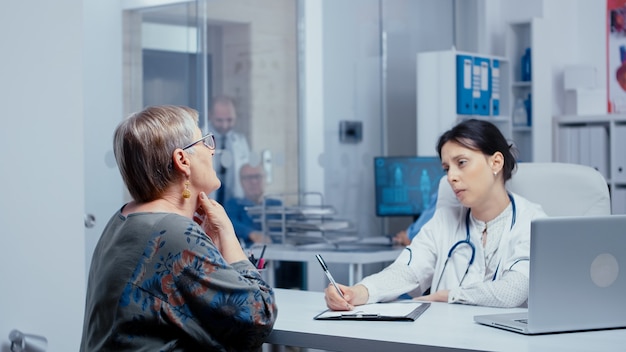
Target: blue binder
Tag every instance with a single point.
(481, 92)
(495, 87)
(464, 85)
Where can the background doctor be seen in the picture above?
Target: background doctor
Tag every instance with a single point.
(234, 147)
(476, 252)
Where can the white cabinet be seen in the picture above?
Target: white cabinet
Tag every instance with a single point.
(618, 200)
(533, 139)
(445, 90)
(619, 146)
(598, 141)
(439, 86)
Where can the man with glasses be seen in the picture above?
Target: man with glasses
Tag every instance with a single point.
(252, 179)
(233, 146)
(249, 231)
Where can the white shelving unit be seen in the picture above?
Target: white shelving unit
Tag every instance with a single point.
(533, 140)
(598, 141)
(436, 93)
(437, 97)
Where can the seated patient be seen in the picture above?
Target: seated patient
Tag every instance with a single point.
(168, 273)
(249, 229)
(405, 237)
(475, 252)
(252, 180)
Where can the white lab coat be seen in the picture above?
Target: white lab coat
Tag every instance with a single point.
(236, 153)
(420, 265)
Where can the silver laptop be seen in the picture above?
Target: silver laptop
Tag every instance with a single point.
(577, 277)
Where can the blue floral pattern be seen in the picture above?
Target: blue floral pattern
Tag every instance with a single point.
(179, 292)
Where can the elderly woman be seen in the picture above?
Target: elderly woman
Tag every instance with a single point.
(168, 273)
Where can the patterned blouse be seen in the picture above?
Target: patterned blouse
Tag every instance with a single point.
(158, 283)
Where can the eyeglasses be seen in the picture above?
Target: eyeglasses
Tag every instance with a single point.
(208, 141)
(249, 178)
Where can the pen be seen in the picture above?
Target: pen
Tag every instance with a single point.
(252, 259)
(328, 275)
(261, 261)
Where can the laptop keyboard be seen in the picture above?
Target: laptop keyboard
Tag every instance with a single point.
(523, 321)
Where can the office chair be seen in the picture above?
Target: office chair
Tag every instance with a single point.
(561, 189)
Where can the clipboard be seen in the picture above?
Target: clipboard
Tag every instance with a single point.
(392, 311)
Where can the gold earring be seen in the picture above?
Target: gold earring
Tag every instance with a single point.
(186, 191)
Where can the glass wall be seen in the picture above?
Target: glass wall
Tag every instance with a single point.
(190, 52)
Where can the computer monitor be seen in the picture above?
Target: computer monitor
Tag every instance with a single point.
(405, 184)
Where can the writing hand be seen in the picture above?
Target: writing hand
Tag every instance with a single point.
(353, 296)
(334, 301)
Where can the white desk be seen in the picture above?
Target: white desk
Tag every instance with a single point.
(355, 257)
(443, 327)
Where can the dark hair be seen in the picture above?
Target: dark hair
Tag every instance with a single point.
(483, 136)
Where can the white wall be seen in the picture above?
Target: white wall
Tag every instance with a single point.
(410, 26)
(104, 189)
(358, 85)
(311, 124)
(41, 209)
(352, 91)
(577, 36)
(60, 89)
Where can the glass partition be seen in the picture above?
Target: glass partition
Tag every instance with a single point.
(191, 52)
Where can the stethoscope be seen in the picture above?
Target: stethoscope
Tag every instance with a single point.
(469, 243)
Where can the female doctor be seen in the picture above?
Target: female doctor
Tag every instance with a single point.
(475, 252)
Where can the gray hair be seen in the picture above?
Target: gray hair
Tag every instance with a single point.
(144, 144)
